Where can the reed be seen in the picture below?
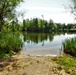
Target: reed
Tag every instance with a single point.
(69, 46)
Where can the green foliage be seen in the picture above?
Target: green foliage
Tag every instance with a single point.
(68, 63)
(38, 25)
(24, 28)
(9, 43)
(72, 8)
(41, 25)
(7, 10)
(69, 46)
(4, 54)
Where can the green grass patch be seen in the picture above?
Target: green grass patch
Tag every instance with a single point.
(68, 63)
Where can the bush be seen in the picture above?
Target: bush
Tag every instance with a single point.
(9, 43)
(69, 46)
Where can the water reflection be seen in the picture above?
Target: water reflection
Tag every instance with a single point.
(37, 37)
(44, 43)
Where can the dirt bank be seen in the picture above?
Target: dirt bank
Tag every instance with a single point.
(30, 65)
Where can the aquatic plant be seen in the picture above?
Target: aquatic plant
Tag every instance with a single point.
(69, 46)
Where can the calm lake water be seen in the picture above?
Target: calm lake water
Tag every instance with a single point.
(44, 43)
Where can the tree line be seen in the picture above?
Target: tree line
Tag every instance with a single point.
(38, 25)
(41, 25)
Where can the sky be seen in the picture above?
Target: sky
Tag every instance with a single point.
(50, 9)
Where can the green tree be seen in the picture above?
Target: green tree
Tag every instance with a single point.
(73, 7)
(7, 10)
(50, 25)
(24, 28)
(35, 24)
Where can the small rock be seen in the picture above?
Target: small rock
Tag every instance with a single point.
(10, 68)
(59, 67)
(37, 61)
(53, 69)
(62, 72)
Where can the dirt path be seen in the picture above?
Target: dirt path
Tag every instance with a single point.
(40, 65)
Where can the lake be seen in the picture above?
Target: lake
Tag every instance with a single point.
(44, 44)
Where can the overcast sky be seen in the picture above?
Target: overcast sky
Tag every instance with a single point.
(51, 9)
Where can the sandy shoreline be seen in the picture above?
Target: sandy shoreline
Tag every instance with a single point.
(30, 65)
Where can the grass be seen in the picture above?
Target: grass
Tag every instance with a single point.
(69, 46)
(9, 44)
(68, 64)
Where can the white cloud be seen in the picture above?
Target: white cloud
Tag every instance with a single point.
(58, 18)
(44, 8)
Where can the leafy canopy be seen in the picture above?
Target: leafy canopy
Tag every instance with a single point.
(73, 7)
(7, 8)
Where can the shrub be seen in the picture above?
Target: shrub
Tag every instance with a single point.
(9, 43)
(69, 46)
